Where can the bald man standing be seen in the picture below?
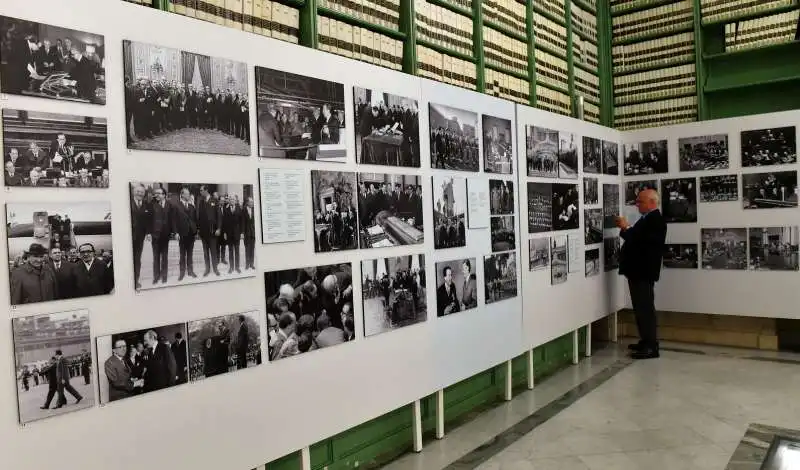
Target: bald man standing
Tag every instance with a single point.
(640, 263)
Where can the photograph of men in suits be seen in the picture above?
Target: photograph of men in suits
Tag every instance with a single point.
(458, 288)
(249, 234)
(224, 344)
(118, 371)
(160, 369)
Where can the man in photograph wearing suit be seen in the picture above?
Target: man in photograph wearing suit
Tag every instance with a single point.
(118, 373)
(185, 221)
(446, 297)
(161, 225)
(179, 353)
(91, 276)
(62, 376)
(11, 177)
(65, 274)
(640, 262)
(249, 234)
(232, 228)
(140, 224)
(242, 343)
(209, 222)
(160, 368)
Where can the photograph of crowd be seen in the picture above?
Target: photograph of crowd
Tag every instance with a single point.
(47, 61)
(558, 260)
(53, 360)
(541, 151)
(180, 101)
(142, 361)
(224, 344)
(498, 146)
(611, 251)
(538, 253)
(762, 147)
(593, 226)
(645, 158)
(708, 152)
(633, 188)
(387, 129)
(773, 248)
(566, 206)
(567, 155)
(53, 150)
(719, 188)
(211, 226)
(503, 233)
(610, 158)
(299, 117)
(394, 291)
(679, 200)
(724, 248)
(308, 309)
(540, 207)
(456, 286)
(449, 211)
(680, 255)
(453, 138)
(591, 194)
(592, 261)
(59, 251)
(769, 190)
(333, 198)
(500, 276)
(501, 197)
(610, 205)
(592, 155)
(389, 210)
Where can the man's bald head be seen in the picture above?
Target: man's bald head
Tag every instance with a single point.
(647, 200)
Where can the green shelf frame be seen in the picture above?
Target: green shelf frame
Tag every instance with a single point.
(444, 50)
(587, 68)
(550, 16)
(655, 35)
(553, 87)
(452, 7)
(507, 71)
(505, 30)
(641, 6)
(584, 36)
(551, 50)
(586, 7)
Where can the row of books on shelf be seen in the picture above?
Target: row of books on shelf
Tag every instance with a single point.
(585, 22)
(591, 112)
(384, 13)
(760, 32)
(655, 85)
(507, 87)
(508, 13)
(505, 51)
(724, 10)
(359, 43)
(621, 6)
(444, 68)
(443, 27)
(663, 19)
(587, 84)
(553, 100)
(549, 33)
(655, 53)
(656, 113)
(551, 69)
(557, 8)
(584, 53)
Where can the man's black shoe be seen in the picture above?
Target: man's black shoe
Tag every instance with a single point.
(645, 354)
(635, 347)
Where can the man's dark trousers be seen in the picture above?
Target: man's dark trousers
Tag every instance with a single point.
(644, 309)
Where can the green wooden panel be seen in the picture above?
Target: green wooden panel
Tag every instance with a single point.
(757, 99)
(766, 65)
(288, 462)
(474, 393)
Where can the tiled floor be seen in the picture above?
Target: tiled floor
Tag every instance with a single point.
(682, 411)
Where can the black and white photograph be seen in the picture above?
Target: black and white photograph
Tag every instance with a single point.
(773, 248)
(181, 101)
(591, 193)
(633, 188)
(308, 309)
(708, 152)
(592, 261)
(645, 158)
(387, 129)
(679, 200)
(724, 248)
(593, 226)
(453, 138)
(592, 155)
(501, 197)
(503, 235)
(498, 145)
(394, 293)
(541, 151)
(566, 206)
(191, 233)
(59, 251)
(763, 147)
(500, 276)
(538, 253)
(50, 150)
(334, 197)
(558, 260)
(224, 344)
(389, 210)
(456, 286)
(769, 190)
(540, 207)
(449, 211)
(299, 117)
(611, 251)
(719, 188)
(610, 158)
(142, 361)
(53, 369)
(567, 155)
(47, 61)
(680, 256)
(610, 205)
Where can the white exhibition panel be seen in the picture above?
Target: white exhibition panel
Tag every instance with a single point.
(749, 293)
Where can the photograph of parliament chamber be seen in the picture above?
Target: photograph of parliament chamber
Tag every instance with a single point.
(390, 210)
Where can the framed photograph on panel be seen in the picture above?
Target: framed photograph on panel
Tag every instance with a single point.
(632, 189)
(453, 138)
(540, 207)
(566, 206)
(181, 101)
(59, 250)
(708, 152)
(389, 210)
(592, 261)
(773, 248)
(592, 155)
(501, 197)
(456, 286)
(719, 188)
(195, 232)
(558, 260)
(541, 151)
(611, 252)
(610, 158)
(724, 248)
(53, 364)
(610, 205)
(590, 191)
(680, 256)
(283, 201)
(334, 200)
(679, 200)
(500, 276)
(142, 361)
(763, 147)
(299, 117)
(224, 344)
(769, 190)
(449, 211)
(387, 129)
(593, 231)
(50, 150)
(48, 61)
(567, 155)
(503, 233)
(308, 309)
(394, 293)
(646, 158)
(498, 146)
(538, 253)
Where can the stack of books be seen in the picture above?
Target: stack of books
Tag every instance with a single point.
(714, 11)
(655, 85)
(262, 17)
(505, 52)
(587, 84)
(584, 53)
(656, 113)
(655, 53)
(760, 32)
(149, 3)
(507, 13)
(664, 19)
(553, 101)
(443, 28)
(584, 22)
(550, 34)
(591, 112)
(384, 13)
(555, 8)
(444, 68)
(507, 87)
(551, 70)
(359, 43)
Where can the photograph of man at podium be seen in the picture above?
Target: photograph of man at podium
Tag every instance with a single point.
(387, 129)
(498, 148)
(333, 200)
(764, 147)
(769, 190)
(389, 210)
(394, 293)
